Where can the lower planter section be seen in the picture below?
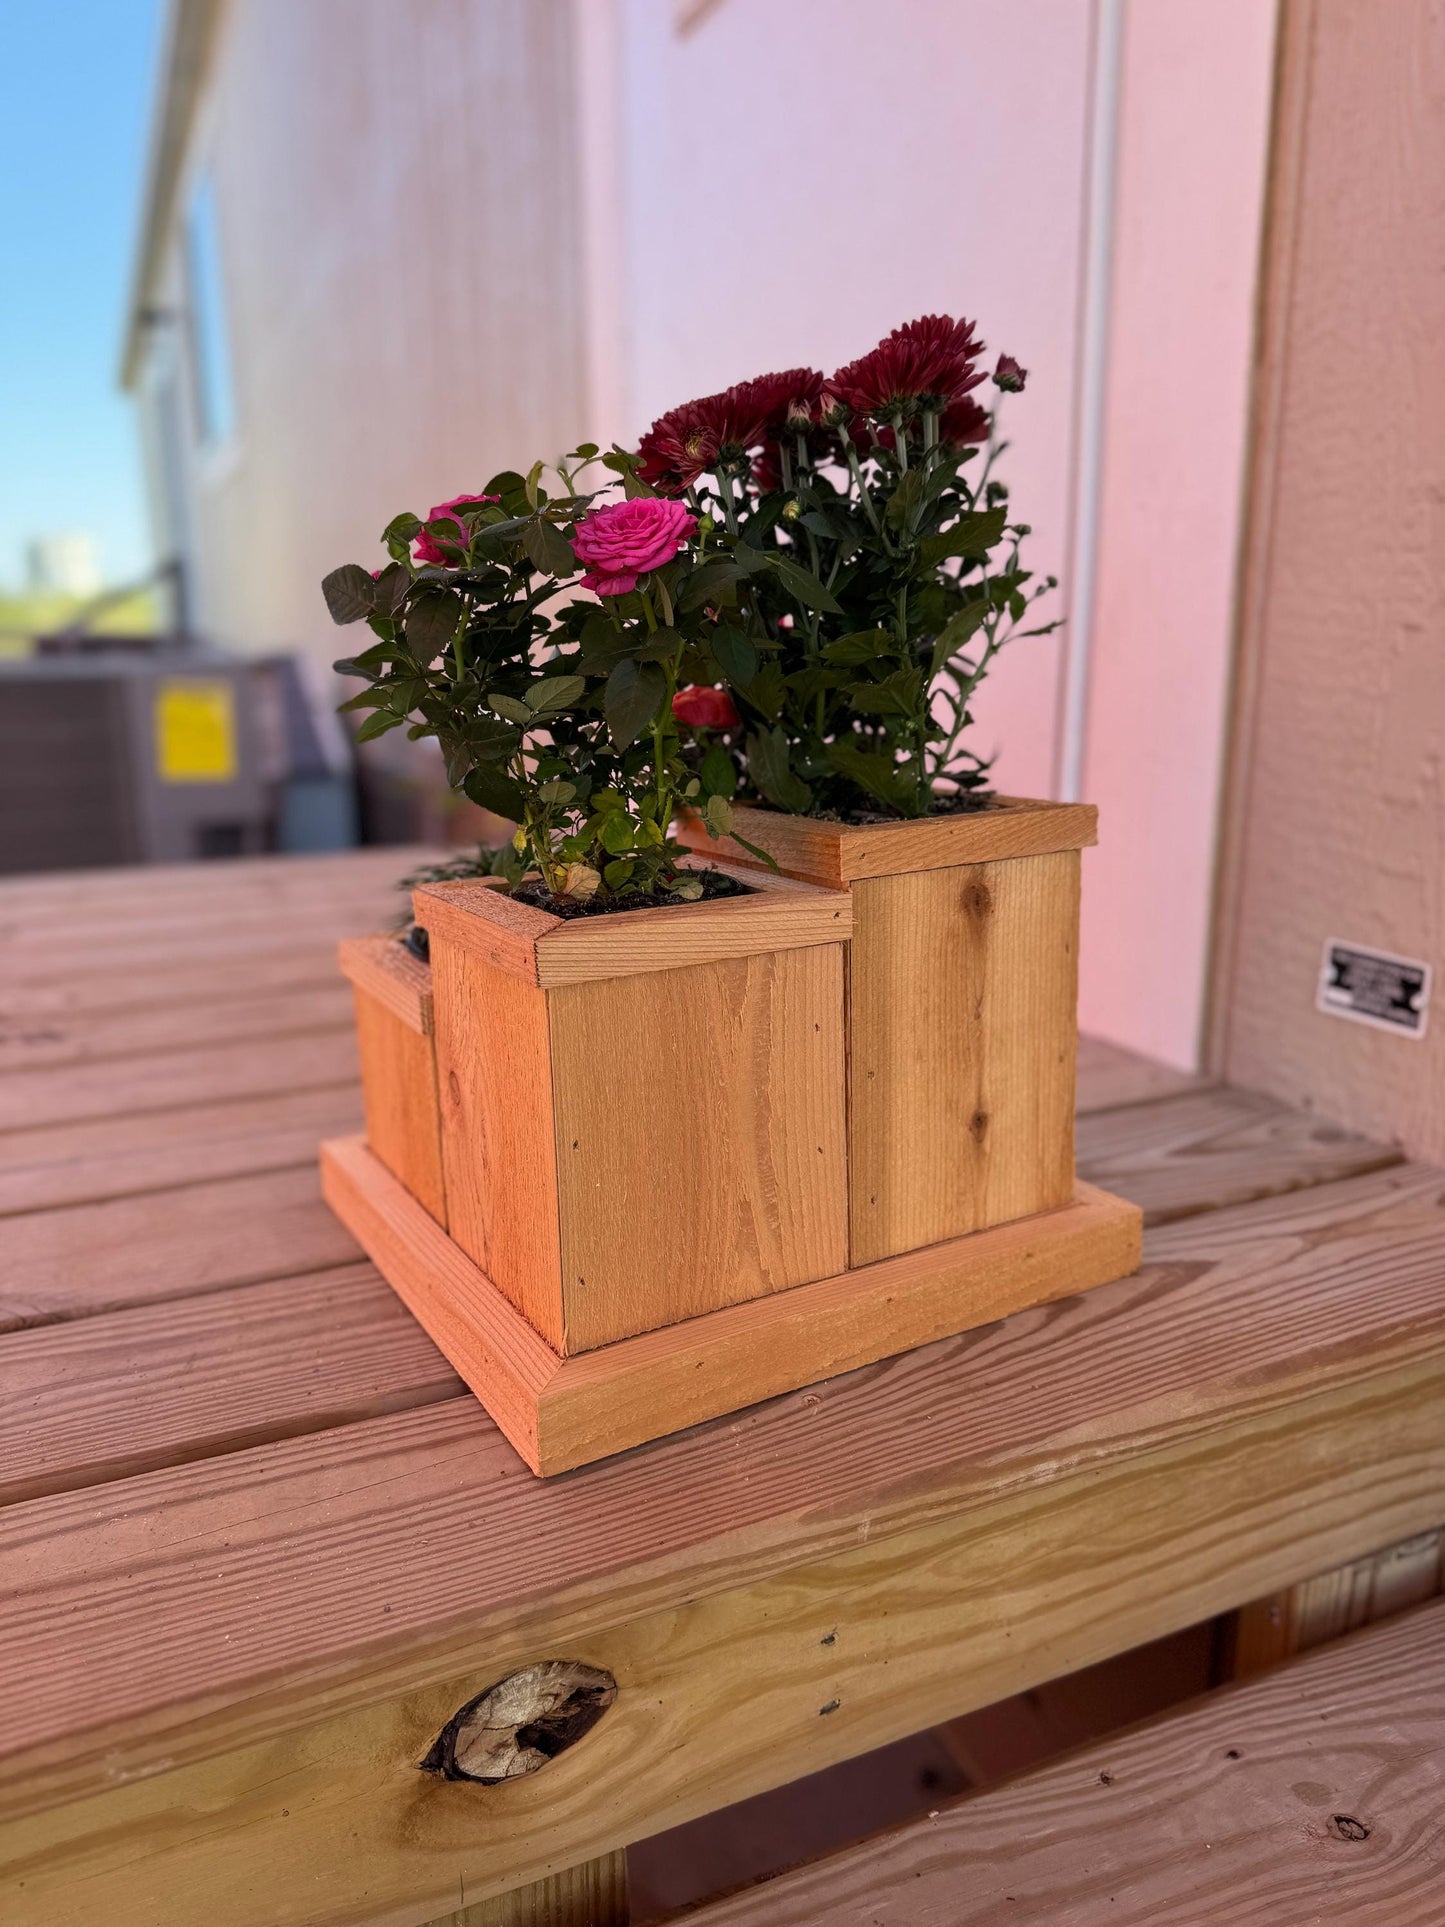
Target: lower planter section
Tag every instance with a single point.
(561, 1412)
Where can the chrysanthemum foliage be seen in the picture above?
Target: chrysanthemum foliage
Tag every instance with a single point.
(792, 591)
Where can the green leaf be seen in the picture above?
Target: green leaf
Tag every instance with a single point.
(548, 547)
(378, 697)
(618, 873)
(431, 622)
(634, 691)
(801, 584)
(719, 816)
(714, 581)
(734, 655)
(377, 725)
(350, 593)
(534, 475)
(494, 790)
(557, 791)
(660, 645)
(491, 741)
(511, 490)
(768, 767)
(973, 535)
(897, 695)
(617, 837)
(554, 693)
(719, 776)
(513, 709)
(878, 775)
(863, 645)
(392, 587)
(954, 634)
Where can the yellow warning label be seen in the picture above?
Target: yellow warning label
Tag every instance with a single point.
(195, 732)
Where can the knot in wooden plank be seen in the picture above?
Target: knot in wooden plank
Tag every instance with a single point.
(517, 1725)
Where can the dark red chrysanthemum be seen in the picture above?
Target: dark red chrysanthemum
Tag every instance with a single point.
(964, 423)
(679, 446)
(685, 441)
(926, 364)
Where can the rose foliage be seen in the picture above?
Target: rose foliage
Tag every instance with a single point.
(789, 591)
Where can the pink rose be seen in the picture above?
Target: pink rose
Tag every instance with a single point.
(622, 542)
(426, 549)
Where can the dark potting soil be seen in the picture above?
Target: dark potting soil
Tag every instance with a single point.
(714, 885)
(966, 803)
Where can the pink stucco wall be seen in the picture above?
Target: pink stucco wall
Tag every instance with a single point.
(1192, 141)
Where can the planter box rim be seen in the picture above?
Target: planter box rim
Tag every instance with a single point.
(777, 913)
(834, 855)
(382, 966)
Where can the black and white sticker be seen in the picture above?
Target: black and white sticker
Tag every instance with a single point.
(1374, 987)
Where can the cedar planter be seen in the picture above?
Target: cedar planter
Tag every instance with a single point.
(644, 1144)
(962, 1024)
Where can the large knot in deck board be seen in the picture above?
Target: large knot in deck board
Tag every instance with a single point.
(515, 1726)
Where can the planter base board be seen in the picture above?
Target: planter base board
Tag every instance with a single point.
(564, 1412)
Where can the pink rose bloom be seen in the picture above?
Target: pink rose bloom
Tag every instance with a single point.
(620, 543)
(426, 550)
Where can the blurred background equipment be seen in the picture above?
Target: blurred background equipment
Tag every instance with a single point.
(135, 749)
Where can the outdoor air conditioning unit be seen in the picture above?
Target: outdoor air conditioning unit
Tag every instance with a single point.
(161, 757)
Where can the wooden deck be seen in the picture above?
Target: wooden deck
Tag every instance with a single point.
(258, 1546)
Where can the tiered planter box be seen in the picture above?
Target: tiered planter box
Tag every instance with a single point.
(655, 1206)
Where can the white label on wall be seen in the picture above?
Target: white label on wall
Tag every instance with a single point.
(1374, 987)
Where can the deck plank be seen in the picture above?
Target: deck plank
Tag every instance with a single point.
(1207, 1149)
(106, 1398)
(117, 1157)
(1311, 1795)
(84, 1259)
(1111, 1076)
(167, 1080)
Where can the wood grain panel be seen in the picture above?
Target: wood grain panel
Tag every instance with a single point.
(399, 1088)
(1335, 825)
(494, 1082)
(964, 983)
(734, 1068)
(1313, 1796)
(270, 1570)
(91, 1258)
(592, 1895)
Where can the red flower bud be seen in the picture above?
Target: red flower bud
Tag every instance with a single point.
(1009, 375)
(703, 708)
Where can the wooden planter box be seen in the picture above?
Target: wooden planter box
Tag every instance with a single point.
(639, 1128)
(962, 1023)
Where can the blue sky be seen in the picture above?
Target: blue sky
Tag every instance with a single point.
(74, 111)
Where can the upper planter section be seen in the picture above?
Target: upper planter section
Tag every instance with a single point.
(962, 1018)
(643, 1114)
